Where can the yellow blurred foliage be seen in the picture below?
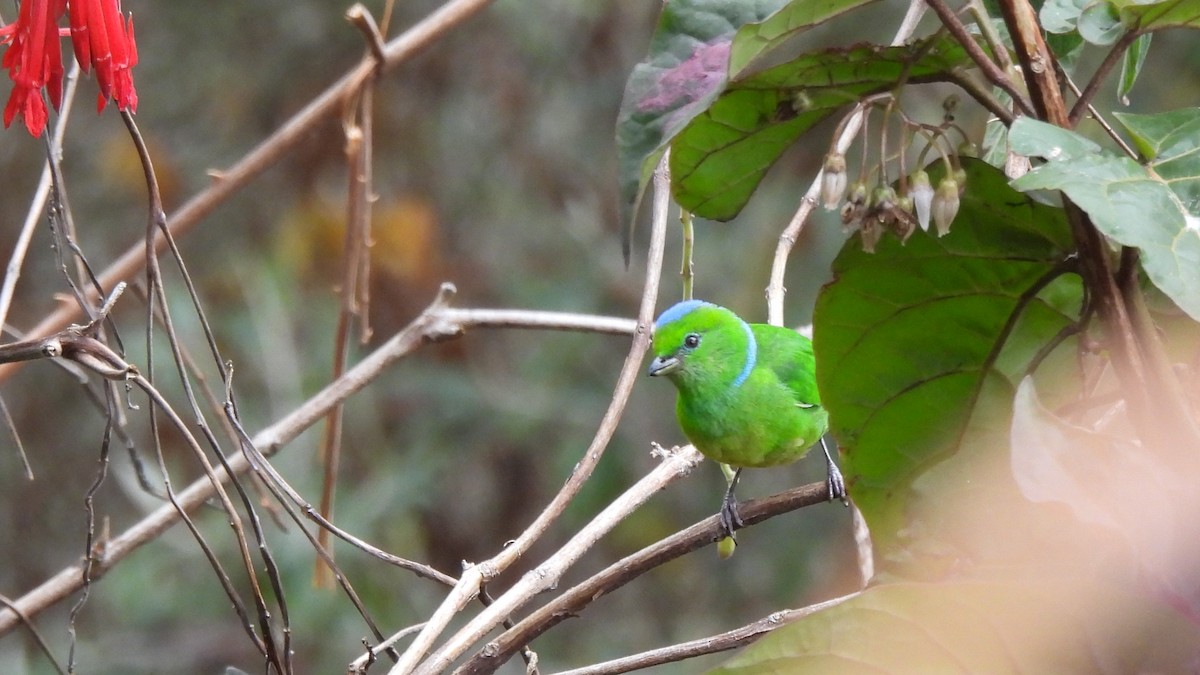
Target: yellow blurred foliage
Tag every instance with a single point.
(404, 238)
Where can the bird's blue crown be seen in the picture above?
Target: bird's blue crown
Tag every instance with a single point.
(678, 311)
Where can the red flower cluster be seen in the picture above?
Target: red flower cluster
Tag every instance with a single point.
(102, 38)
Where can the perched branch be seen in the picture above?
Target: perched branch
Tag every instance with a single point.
(572, 602)
(547, 575)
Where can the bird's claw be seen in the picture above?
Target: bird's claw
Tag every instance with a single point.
(837, 485)
(834, 479)
(730, 519)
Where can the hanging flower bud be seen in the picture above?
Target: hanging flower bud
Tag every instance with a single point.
(833, 181)
(945, 205)
(921, 191)
(960, 177)
(855, 206)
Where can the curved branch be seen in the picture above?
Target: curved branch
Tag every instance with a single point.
(293, 133)
(989, 69)
(473, 578)
(738, 637)
(574, 600)
(1089, 91)
(431, 326)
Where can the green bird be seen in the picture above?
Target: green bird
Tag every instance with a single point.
(747, 392)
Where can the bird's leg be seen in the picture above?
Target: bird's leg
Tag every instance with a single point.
(730, 520)
(837, 484)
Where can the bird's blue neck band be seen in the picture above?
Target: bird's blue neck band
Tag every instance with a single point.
(751, 355)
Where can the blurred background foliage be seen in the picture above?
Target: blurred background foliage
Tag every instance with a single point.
(495, 169)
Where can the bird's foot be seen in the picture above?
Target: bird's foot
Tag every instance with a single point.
(837, 485)
(834, 478)
(730, 519)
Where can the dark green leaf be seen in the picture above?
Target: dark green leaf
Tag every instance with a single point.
(912, 359)
(719, 158)
(687, 67)
(1129, 203)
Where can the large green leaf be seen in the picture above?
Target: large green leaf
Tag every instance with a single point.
(1131, 204)
(688, 66)
(720, 157)
(1060, 625)
(913, 359)
(1104, 22)
(1171, 142)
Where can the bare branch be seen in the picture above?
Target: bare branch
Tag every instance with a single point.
(293, 133)
(547, 575)
(576, 599)
(437, 323)
(1114, 55)
(990, 70)
(739, 637)
(472, 579)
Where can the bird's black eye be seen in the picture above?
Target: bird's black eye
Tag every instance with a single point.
(692, 340)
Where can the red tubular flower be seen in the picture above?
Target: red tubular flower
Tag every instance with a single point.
(102, 38)
(33, 60)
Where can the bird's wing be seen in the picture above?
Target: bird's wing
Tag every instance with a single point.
(790, 355)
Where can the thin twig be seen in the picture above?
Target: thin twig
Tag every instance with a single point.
(990, 70)
(576, 599)
(849, 130)
(436, 324)
(290, 135)
(548, 574)
(1095, 114)
(37, 635)
(472, 578)
(739, 637)
(41, 194)
(1093, 86)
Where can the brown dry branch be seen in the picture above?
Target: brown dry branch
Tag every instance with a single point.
(17, 260)
(546, 576)
(738, 637)
(437, 323)
(573, 601)
(1156, 401)
(993, 72)
(290, 135)
(357, 125)
(474, 577)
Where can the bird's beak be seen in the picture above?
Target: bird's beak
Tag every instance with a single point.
(663, 365)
